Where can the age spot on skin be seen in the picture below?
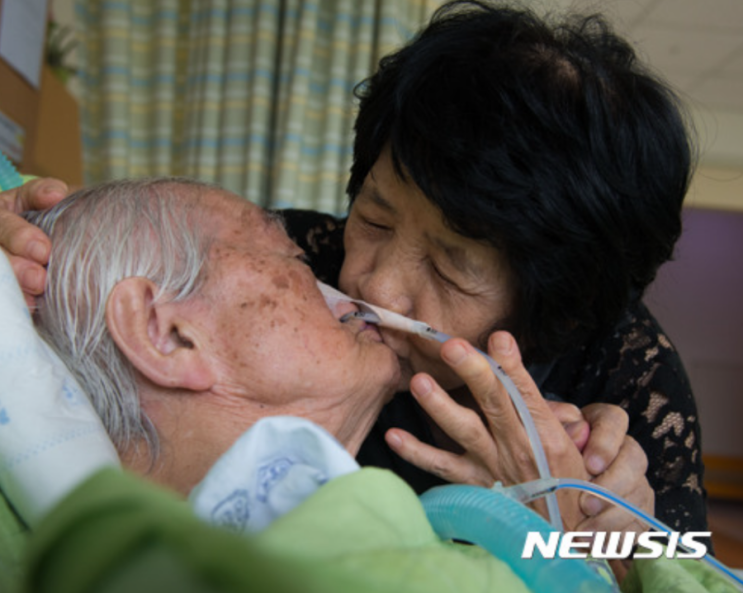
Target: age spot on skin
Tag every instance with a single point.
(280, 282)
(267, 302)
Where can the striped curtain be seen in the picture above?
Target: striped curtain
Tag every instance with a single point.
(253, 94)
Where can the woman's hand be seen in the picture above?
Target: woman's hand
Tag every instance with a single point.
(26, 246)
(614, 460)
(574, 423)
(617, 462)
(610, 457)
(496, 448)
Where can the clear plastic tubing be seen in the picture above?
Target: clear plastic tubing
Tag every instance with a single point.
(385, 318)
(531, 430)
(529, 491)
(497, 520)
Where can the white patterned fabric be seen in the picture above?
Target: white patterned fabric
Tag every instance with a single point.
(51, 438)
(272, 468)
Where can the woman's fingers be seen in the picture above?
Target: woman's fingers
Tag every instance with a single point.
(22, 239)
(613, 519)
(499, 448)
(560, 450)
(572, 421)
(37, 194)
(463, 425)
(609, 426)
(31, 276)
(487, 390)
(19, 237)
(503, 349)
(444, 464)
(566, 413)
(624, 477)
(616, 518)
(25, 245)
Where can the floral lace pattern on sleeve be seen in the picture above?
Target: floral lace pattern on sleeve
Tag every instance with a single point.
(638, 368)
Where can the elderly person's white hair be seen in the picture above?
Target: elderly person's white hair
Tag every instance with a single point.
(101, 235)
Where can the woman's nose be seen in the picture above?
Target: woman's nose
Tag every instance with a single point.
(387, 286)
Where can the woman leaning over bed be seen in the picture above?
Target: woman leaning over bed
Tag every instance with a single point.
(513, 174)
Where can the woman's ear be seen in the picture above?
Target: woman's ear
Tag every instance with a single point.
(154, 336)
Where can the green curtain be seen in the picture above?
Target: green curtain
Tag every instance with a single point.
(255, 95)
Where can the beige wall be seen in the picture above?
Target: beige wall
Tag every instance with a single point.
(718, 182)
(719, 188)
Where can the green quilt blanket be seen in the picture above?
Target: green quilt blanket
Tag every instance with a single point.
(364, 532)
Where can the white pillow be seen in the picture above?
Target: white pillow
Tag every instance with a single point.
(51, 438)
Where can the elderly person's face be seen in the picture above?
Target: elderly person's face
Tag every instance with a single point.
(270, 343)
(401, 255)
(269, 322)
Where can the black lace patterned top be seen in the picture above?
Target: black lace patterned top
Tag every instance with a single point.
(636, 367)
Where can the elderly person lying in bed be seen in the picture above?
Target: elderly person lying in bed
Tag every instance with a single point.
(187, 314)
(200, 317)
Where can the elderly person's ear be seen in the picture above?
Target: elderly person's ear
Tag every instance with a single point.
(156, 337)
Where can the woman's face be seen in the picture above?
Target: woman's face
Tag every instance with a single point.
(400, 255)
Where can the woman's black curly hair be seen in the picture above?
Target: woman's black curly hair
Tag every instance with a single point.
(549, 141)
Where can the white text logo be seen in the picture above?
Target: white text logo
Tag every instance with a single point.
(615, 545)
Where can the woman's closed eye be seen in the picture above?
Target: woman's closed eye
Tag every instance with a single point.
(445, 280)
(459, 284)
(373, 225)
